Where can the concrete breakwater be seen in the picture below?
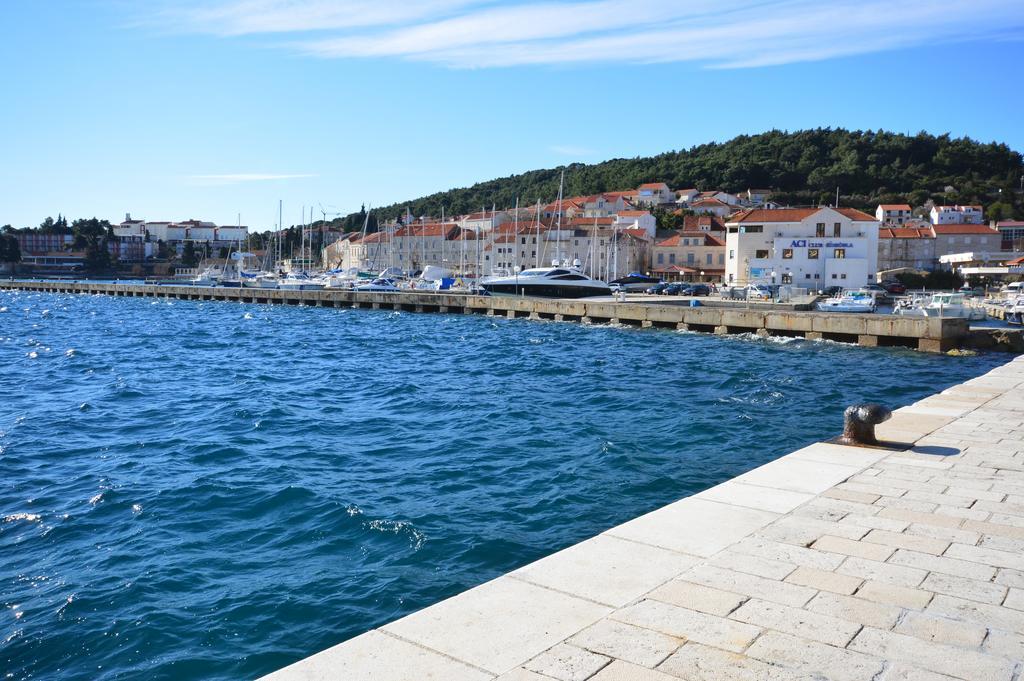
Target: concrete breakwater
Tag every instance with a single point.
(925, 334)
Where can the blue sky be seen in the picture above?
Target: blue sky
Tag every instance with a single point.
(172, 109)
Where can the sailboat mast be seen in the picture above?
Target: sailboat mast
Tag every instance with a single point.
(558, 233)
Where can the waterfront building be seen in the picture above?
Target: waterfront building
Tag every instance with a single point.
(1011, 235)
(906, 247)
(950, 215)
(963, 237)
(689, 256)
(893, 214)
(420, 244)
(812, 247)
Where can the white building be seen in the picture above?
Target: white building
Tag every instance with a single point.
(893, 214)
(636, 219)
(957, 215)
(711, 206)
(654, 194)
(811, 247)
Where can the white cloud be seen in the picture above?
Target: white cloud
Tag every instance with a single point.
(723, 34)
(240, 178)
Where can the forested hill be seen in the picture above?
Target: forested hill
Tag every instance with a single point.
(802, 168)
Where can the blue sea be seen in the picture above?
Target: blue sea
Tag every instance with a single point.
(214, 490)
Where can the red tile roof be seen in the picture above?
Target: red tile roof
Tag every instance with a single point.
(964, 229)
(795, 214)
(653, 185)
(905, 233)
(894, 206)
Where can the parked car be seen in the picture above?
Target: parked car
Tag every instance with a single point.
(696, 290)
(972, 291)
(673, 289)
(895, 288)
(657, 289)
(832, 291)
(758, 292)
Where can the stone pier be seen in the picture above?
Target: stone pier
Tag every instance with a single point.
(832, 562)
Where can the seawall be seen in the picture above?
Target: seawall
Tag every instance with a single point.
(925, 334)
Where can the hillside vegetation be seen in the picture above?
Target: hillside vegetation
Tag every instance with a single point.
(802, 168)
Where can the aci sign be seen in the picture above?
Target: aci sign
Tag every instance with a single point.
(804, 243)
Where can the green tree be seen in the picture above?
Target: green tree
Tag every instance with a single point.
(10, 250)
(188, 255)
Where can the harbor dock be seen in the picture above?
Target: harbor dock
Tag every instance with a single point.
(874, 330)
(832, 562)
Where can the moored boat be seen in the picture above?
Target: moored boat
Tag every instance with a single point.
(849, 301)
(547, 282)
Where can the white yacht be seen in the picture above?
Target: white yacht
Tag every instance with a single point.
(849, 301)
(1015, 310)
(299, 281)
(940, 305)
(557, 281)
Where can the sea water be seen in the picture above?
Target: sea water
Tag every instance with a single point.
(214, 490)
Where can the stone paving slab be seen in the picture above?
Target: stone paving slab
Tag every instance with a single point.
(832, 562)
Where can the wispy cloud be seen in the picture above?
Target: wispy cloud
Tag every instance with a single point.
(240, 178)
(716, 34)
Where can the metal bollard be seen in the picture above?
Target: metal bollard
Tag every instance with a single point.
(859, 421)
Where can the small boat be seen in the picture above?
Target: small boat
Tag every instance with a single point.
(379, 285)
(940, 305)
(547, 282)
(299, 281)
(849, 301)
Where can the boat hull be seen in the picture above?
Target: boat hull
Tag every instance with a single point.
(546, 290)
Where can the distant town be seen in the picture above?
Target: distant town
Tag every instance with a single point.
(674, 234)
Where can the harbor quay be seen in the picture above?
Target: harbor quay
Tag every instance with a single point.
(929, 334)
(831, 562)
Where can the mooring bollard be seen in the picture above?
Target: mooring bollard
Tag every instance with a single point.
(859, 421)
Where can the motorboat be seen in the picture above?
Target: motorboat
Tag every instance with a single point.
(633, 282)
(379, 285)
(557, 281)
(299, 281)
(939, 305)
(849, 301)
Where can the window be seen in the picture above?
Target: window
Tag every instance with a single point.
(710, 259)
(689, 258)
(761, 254)
(787, 278)
(967, 239)
(837, 229)
(819, 230)
(661, 258)
(751, 229)
(817, 276)
(732, 254)
(524, 241)
(672, 258)
(812, 253)
(787, 253)
(842, 276)
(839, 253)
(834, 276)
(807, 276)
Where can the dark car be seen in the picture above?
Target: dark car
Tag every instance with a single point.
(673, 289)
(833, 290)
(896, 288)
(696, 290)
(657, 288)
